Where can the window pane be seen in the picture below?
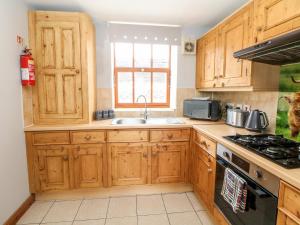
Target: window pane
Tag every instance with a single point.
(142, 86)
(161, 56)
(124, 54)
(125, 87)
(159, 87)
(142, 55)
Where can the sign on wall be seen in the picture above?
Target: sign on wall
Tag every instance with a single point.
(288, 111)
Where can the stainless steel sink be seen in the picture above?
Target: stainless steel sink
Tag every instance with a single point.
(129, 121)
(155, 121)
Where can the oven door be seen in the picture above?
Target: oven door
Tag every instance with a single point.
(261, 206)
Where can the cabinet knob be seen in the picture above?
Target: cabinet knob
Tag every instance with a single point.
(65, 158)
(77, 71)
(209, 170)
(145, 155)
(223, 84)
(88, 137)
(259, 28)
(214, 85)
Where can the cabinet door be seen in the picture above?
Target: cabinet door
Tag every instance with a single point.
(275, 17)
(88, 165)
(204, 180)
(235, 35)
(53, 167)
(129, 163)
(168, 162)
(209, 59)
(58, 70)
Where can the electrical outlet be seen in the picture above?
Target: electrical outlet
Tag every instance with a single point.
(246, 107)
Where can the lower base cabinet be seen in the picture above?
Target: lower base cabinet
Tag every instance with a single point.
(168, 162)
(88, 165)
(52, 167)
(204, 167)
(63, 167)
(288, 205)
(129, 163)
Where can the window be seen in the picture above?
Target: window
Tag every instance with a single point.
(142, 69)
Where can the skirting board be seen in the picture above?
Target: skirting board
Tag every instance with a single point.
(13, 219)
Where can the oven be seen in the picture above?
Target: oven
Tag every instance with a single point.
(262, 187)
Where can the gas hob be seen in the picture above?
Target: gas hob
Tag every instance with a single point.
(276, 148)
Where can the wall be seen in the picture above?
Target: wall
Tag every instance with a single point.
(185, 72)
(265, 101)
(13, 169)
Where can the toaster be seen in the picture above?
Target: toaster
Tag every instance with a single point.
(202, 109)
(236, 117)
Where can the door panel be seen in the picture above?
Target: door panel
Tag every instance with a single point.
(48, 47)
(88, 165)
(59, 80)
(235, 35)
(129, 163)
(275, 17)
(53, 167)
(50, 94)
(168, 162)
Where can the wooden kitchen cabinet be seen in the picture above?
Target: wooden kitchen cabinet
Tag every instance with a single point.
(168, 162)
(288, 205)
(63, 47)
(235, 34)
(88, 165)
(204, 167)
(275, 17)
(206, 66)
(218, 70)
(52, 167)
(129, 163)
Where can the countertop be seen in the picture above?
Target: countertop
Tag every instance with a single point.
(216, 132)
(107, 124)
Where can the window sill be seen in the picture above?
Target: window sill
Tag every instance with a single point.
(141, 109)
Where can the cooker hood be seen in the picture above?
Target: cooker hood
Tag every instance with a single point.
(281, 50)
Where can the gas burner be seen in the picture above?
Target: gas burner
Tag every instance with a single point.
(274, 147)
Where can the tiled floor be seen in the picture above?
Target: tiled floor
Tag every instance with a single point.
(157, 209)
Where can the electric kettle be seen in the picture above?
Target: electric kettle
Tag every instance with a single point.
(257, 121)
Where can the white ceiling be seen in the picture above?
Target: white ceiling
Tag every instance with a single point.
(181, 12)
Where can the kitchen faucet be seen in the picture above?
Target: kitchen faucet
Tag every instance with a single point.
(146, 114)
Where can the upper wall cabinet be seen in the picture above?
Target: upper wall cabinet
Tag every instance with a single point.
(64, 49)
(218, 70)
(235, 34)
(275, 17)
(206, 58)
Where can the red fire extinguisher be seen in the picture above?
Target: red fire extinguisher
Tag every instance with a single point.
(27, 68)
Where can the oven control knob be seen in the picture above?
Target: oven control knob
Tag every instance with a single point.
(226, 155)
(258, 174)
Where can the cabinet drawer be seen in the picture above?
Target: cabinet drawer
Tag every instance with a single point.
(289, 199)
(205, 143)
(87, 137)
(128, 136)
(46, 138)
(170, 135)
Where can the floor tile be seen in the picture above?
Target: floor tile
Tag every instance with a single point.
(205, 218)
(177, 203)
(92, 209)
(122, 207)
(153, 220)
(150, 204)
(122, 221)
(89, 222)
(36, 212)
(196, 203)
(185, 218)
(62, 211)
